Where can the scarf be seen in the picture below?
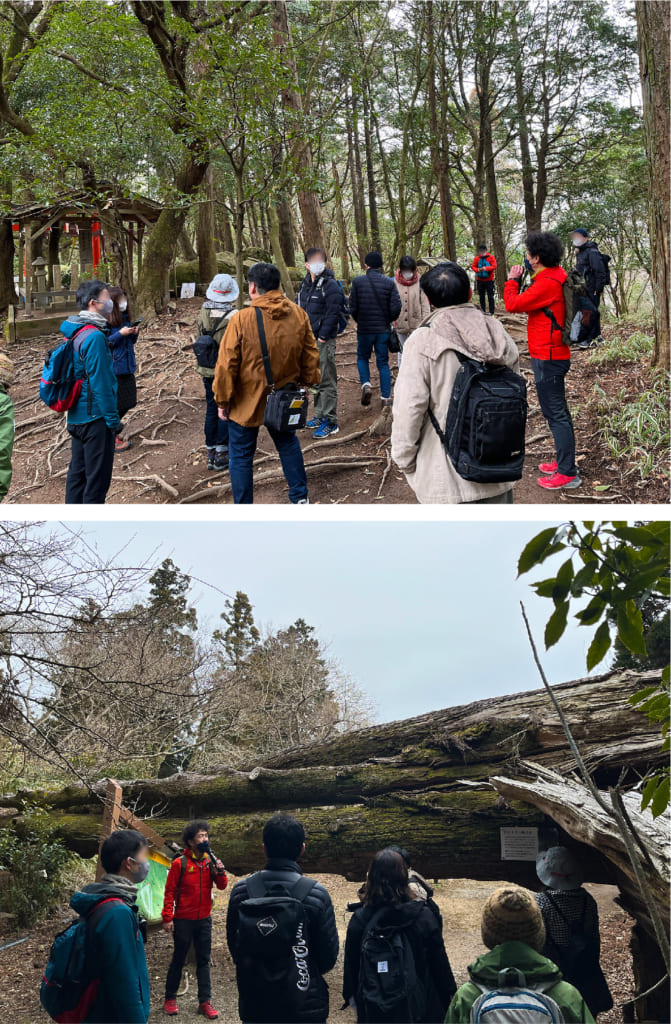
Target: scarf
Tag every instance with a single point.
(94, 318)
(128, 889)
(401, 280)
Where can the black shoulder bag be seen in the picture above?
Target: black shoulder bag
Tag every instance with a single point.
(287, 407)
(394, 340)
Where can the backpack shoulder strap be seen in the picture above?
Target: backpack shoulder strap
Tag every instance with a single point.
(302, 888)
(256, 887)
(182, 872)
(264, 348)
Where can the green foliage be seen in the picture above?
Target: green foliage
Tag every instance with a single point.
(635, 347)
(621, 571)
(638, 430)
(34, 858)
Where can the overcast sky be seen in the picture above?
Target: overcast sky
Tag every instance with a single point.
(422, 615)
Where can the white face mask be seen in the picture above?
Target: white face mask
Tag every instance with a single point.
(578, 241)
(408, 274)
(123, 305)
(317, 268)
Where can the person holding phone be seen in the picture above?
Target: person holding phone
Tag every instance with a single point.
(122, 338)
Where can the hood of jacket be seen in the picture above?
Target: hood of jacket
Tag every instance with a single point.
(464, 329)
(396, 915)
(74, 322)
(109, 888)
(536, 968)
(589, 244)
(551, 274)
(275, 304)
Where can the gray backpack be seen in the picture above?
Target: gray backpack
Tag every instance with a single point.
(515, 1002)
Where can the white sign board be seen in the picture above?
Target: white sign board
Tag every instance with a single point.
(188, 291)
(519, 843)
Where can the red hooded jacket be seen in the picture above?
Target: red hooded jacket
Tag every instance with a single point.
(491, 264)
(544, 291)
(194, 899)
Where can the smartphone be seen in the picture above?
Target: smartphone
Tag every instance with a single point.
(136, 323)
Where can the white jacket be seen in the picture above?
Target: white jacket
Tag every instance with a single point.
(425, 380)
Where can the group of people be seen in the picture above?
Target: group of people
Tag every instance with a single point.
(542, 950)
(429, 320)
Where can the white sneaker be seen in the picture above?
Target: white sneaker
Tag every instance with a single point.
(303, 501)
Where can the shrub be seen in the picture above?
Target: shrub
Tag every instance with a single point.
(638, 429)
(637, 346)
(34, 858)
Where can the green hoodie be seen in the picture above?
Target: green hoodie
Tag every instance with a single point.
(6, 440)
(536, 969)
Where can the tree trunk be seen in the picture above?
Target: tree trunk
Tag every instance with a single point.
(225, 233)
(342, 229)
(186, 246)
(153, 285)
(653, 18)
(358, 202)
(206, 242)
(274, 228)
(375, 241)
(531, 215)
(53, 249)
(498, 241)
(287, 244)
(8, 296)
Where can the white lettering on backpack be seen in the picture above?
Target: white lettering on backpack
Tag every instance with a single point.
(301, 953)
(266, 926)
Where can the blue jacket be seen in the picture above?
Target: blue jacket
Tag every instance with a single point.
(123, 348)
(373, 316)
(118, 949)
(96, 358)
(322, 300)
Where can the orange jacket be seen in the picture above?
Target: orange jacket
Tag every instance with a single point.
(239, 377)
(491, 266)
(193, 901)
(545, 290)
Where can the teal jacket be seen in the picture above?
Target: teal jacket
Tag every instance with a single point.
(536, 969)
(95, 356)
(118, 946)
(6, 441)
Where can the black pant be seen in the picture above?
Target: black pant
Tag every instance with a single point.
(126, 393)
(184, 933)
(594, 321)
(486, 288)
(549, 375)
(90, 471)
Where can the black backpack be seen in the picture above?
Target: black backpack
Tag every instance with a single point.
(272, 951)
(486, 422)
(389, 983)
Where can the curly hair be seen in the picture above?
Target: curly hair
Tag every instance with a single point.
(387, 880)
(547, 246)
(193, 828)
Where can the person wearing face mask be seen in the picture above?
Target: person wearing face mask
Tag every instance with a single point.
(415, 305)
(122, 338)
(322, 299)
(93, 421)
(593, 267)
(187, 914)
(213, 319)
(116, 933)
(550, 357)
(484, 268)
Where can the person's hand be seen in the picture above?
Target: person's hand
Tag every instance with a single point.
(167, 926)
(322, 341)
(516, 272)
(224, 410)
(219, 866)
(128, 330)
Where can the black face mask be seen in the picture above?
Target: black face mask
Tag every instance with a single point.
(203, 847)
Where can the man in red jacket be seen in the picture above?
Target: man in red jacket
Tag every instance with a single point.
(484, 268)
(550, 357)
(187, 907)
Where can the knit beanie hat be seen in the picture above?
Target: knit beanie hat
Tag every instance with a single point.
(511, 914)
(373, 260)
(581, 231)
(558, 869)
(6, 370)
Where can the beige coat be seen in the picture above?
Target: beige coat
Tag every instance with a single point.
(415, 307)
(425, 380)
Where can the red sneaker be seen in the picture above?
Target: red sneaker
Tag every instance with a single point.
(208, 1011)
(557, 480)
(548, 467)
(170, 1007)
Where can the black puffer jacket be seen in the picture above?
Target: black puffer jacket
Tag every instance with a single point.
(431, 962)
(373, 316)
(322, 939)
(590, 264)
(322, 300)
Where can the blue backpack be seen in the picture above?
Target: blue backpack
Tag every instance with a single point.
(60, 387)
(69, 985)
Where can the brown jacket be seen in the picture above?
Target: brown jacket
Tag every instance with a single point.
(425, 381)
(239, 377)
(415, 307)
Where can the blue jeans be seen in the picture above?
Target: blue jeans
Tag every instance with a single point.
(549, 375)
(241, 448)
(365, 343)
(216, 430)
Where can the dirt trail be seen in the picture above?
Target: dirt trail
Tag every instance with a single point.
(460, 901)
(167, 463)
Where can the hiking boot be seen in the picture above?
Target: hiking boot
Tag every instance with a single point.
(558, 480)
(386, 403)
(303, 501)
(170, 1007)
(584, 345)
(599, 341)
(325, 430)
(121, 445)
(221, 460)
(366, 394)
(315, 422)
(208, 1010)
(548, 467)
(211, 455)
